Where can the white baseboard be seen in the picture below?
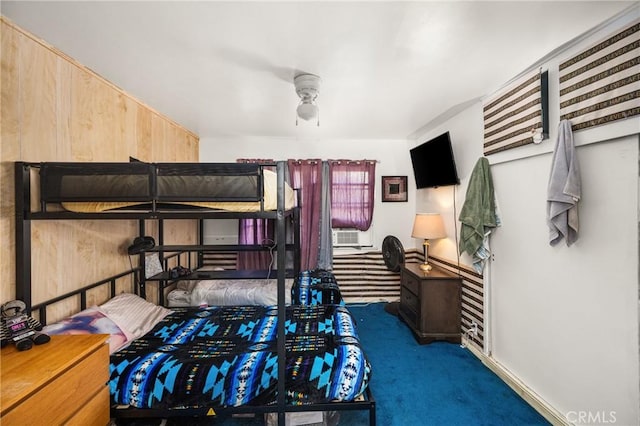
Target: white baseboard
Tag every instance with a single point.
(540, 405)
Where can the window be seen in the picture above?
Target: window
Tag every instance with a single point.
(352, 193)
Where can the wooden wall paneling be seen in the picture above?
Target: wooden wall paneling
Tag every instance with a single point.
(171, 146)
(81, 124)
(38, 88)
(98, 117)
(9, 90)
(7, 259)
(46, 274)
(63, 134)
(128, 147)
(193, 145)
(189, 147)
(142, 146)
(158, 137)
(9, 152)
(55, 109)
(120, 139)
(106, 248)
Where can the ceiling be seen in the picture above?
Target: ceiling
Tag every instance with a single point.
(226, 69)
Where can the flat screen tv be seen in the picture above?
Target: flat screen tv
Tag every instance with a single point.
(433, 163)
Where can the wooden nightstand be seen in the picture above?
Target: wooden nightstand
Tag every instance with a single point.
(63, 381)
(430, 303)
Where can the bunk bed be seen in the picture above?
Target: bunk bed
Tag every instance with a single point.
(159, 191)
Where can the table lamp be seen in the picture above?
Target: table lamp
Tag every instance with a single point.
(430, 227)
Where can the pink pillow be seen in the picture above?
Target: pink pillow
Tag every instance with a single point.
(91, 321)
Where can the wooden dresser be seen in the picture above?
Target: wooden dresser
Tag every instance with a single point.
(61, 382)
(430, 303)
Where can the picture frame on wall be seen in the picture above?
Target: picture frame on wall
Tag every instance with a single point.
(394, 189)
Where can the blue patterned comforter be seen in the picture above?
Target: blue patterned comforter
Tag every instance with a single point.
(227, 356)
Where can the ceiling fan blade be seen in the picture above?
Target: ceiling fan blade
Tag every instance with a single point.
(252, 61)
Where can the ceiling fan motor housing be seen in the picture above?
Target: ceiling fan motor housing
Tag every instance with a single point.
(307, 88)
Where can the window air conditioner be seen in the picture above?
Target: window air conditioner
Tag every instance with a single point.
(352, 238)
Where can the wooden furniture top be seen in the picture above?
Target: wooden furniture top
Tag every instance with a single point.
(436, 272)
(24, 372)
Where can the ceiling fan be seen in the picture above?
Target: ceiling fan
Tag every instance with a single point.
(307, 88)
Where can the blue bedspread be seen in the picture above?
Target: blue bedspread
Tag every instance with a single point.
(227, 356)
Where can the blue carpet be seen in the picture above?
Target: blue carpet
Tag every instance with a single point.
(435, 384)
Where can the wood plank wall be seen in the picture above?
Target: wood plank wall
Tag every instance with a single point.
(55, 109)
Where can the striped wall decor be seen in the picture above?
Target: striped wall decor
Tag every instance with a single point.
(514, 114)
(363, 277)
(472, 298)
(600, 84)
(221, 259)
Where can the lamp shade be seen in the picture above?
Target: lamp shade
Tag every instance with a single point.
(428, 226)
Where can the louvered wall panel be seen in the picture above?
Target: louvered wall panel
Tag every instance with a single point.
(514, 114)
(472, 298)
(600, 85)
(364, 277)
(224, 260)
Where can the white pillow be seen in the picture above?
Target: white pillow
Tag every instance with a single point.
(178, 298)
(133, 313)
(239, 292)
(188, 285)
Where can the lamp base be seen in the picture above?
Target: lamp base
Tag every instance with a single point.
(425, 267)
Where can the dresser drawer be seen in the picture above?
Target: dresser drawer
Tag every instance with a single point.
(94, 412)
(66, 394)
(430, 303)
(411, 283)
(410, 316)
(410, 300)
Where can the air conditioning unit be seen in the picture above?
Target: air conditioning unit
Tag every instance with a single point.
(352, 238)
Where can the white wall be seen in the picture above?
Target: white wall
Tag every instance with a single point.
(563, 320)
(464, 130)
(393, 156)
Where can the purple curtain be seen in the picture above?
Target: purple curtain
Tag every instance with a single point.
(255, 231)
(306, 175)
(352, 193)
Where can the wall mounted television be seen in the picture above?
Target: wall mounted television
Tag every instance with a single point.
(433, 163)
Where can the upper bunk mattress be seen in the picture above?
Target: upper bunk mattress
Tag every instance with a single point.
(100, 187)
(205, 185)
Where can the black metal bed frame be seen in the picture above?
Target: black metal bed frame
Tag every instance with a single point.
(24, 216)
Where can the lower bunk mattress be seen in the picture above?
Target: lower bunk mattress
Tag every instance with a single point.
(226, 356)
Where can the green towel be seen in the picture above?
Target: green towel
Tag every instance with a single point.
(478, 214)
